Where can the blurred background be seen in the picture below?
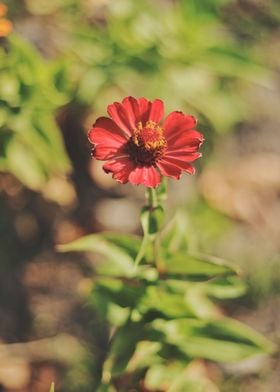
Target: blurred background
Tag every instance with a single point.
(61, 63)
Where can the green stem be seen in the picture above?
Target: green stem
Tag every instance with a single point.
(153, 203)
(152, 198)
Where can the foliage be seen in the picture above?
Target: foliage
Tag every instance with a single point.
(161, 306)
(162, 50)
(31, 90)
(158, 297)
(139, 48)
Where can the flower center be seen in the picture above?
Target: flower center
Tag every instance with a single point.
(147, 144)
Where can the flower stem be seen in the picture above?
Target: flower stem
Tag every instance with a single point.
(152, 198)
(153, 204)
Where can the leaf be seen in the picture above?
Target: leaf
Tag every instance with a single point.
(106, 388)
(185, 265)
(22, 162)
(123, 292)
(145, 355)
(118, 261)
(174, 235)
(129, 243)
(175, 376)
(226, 288)
(222, 340)
(161, 376)
(123, 346)
(160, 299)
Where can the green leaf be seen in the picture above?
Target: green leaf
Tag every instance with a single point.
(175, 376)
(123, 292)
(145, 355)
(117, 262)
(161, 376)
(225, 288)
(106, 388)
(185, 265)
(162, 300)
(129, 243)
(222, 340)
(174, 236)
(123, 347)
(22, 162)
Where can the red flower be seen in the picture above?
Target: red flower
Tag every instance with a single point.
(138, 149)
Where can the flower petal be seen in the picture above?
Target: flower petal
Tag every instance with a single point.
(120, 168)
(102, 152)
(145, 175)
(176, 123)
(105, 130)
(156, 111)
(184, 156)
(132, 111)
(185, 138)
(142, 110)
(108, 139)
(122, 117)
(169, 169)
(181, 164)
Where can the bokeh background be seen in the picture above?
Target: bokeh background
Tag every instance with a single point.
(61, 63)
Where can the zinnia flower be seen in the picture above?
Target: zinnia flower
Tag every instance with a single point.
(139, 147)
(5, 25)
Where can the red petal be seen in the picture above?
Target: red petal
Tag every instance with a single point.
(144, 175)
(102, 152)
(176, 123)
(132, 111)
(156, 111)
(120, 168)
(122, 117)
(184, 137)
(182, 155)
(132, 108)
(142, 110)
(106, 131)
(168, 169)
(181, 164)
(108, 139)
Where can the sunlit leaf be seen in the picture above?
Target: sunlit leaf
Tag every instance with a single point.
(183, 264)
(162, 301)
(226, 288)
(117, 262)
(222, 340)
(174, 236)
(124, 345)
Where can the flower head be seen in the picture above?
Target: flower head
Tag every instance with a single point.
(140, 147)
(5, 25)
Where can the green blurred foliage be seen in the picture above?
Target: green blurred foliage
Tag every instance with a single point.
(199, 57)
(183, 51)
(163, 316)
(31, 90)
